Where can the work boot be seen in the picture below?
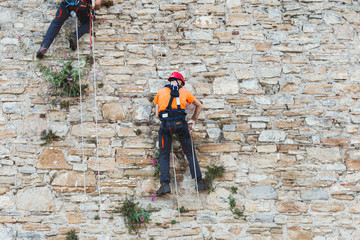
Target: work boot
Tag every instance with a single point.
(164, 188)
(202, 186)
(73, 41)
(41, 53)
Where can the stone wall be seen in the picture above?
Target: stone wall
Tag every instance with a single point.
(279, 80)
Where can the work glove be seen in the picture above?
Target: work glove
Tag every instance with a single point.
(191, 123)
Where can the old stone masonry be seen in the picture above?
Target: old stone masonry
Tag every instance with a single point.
(279, 81)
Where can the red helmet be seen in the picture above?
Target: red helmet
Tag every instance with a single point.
(177, 75)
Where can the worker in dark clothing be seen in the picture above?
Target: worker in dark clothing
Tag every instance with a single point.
(170, 108)
(82, 8)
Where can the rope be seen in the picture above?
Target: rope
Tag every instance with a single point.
(160, 40)
(176, 189)
(196, 182)
(82, 124)
(92, 36)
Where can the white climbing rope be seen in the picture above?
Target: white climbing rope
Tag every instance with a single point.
(196, 182)
(163, 73)
(176, 189)
(82, 125)
(96, 117)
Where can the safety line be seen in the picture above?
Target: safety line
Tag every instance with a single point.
(196, 182)
(82, 124)
(176, 189)
(96, 113)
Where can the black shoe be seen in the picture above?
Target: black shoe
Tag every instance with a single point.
(41, 53)
(202, 186)
(164, 188)
(73, 42)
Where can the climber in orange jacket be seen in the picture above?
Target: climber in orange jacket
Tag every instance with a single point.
(170, 109)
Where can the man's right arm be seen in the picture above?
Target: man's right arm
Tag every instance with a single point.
(198, 108)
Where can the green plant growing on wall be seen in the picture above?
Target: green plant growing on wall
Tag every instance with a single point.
(234, 189)
(96, 217)
(212, 173)
(48, 138)
(134, 214)
(71, 235)
(64, 76)
(238, 213)
(183, 209)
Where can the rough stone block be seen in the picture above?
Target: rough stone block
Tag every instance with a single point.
(272, 136)
(104, 165)
(52, 158)
(114, 111)
(324, 154)
(104, 130)
(291, 207)
(328, 207)
(317, 194)
(299, 235)
(238, 20)
(206, 22)
(219, 148)
(353, 164)
(73, 182)
(335, 142)
(262, 192)
(37, 199)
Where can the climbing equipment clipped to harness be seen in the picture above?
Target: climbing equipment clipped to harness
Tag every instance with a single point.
(169, 113)
(72, 2)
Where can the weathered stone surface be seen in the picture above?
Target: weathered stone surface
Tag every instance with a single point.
(317, 194)
(73, 182)
(262, 192)
(34, 126)
(354, 208)
(227, 147)
(272, 136)
(324, 154)
(37, 199)
(104, 130)
(52, 158)
(264, 161)
(223, 86)
(335, 142)
(353, 164)
(299, 235)
(206, 22)
(6, 203)
(328, 207)
(238, 20)
(291, 207)
(75, 218)
(104, 164)
(113, 111)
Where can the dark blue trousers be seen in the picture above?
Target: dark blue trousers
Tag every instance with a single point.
(62, 14)
(165, 141)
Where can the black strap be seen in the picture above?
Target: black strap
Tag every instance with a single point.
(173, 94)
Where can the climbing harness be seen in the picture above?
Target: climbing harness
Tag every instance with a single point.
(169, 113)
